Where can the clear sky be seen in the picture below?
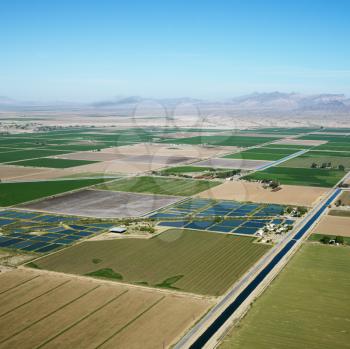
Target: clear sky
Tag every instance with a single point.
(96, 49)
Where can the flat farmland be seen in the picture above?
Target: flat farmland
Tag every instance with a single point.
(19, 192)
(159, 185)
(189, 169)
(333, 225)
(103, 204)
(262, 153)
(299, 176)
(185, 260)
(159, 149)
(27, 154)
(237, 141)
(334, 142)
(254, 192)
(8, 172)
(146, 158)
(232, 163)
(319, 157)
(48, 310)
(307, 306)
(52, 163)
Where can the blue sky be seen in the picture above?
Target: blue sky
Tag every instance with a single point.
(96, 49)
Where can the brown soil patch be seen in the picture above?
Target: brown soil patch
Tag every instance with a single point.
(56, 310)
(250, 191)
(333, 225)
(14, 172)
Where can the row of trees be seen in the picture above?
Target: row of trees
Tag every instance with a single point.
(327, 165)
(327, 239)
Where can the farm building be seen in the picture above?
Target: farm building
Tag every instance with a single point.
(118, 230)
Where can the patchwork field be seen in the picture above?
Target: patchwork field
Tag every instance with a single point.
(186, 260)
(159, 149)
(318, 158)
(333, 225)
(146, 158)
(334, 142)
(160, 185)
(254, 192)
(232, 163)
(47, 310)
(299, 176)
(19, 192)
(237, 141)
(103, 204)
(305, 307)
(263, 153)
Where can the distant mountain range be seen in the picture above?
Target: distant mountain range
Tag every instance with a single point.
(255, 102)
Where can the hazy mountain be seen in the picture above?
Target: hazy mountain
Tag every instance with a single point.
(267, 102)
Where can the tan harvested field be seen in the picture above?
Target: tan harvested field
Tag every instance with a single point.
(14, 172)
(296, 141)
(251, 191)
(193, 151)
(50, 310)
(333, 225)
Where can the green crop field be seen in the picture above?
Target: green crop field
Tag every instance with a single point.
(160, 185)
(307, 306)
(27, 154)
(52, 163)
(187, 260)
(262, 153)
(299, 176)
(239, 141)
(319, 157)
(20, 192)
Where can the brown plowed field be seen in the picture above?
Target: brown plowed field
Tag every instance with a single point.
(39, 309)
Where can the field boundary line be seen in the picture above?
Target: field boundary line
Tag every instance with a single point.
(131, 321)
(51, 313)
(81, 319)
(33, 299)
(11, 288)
